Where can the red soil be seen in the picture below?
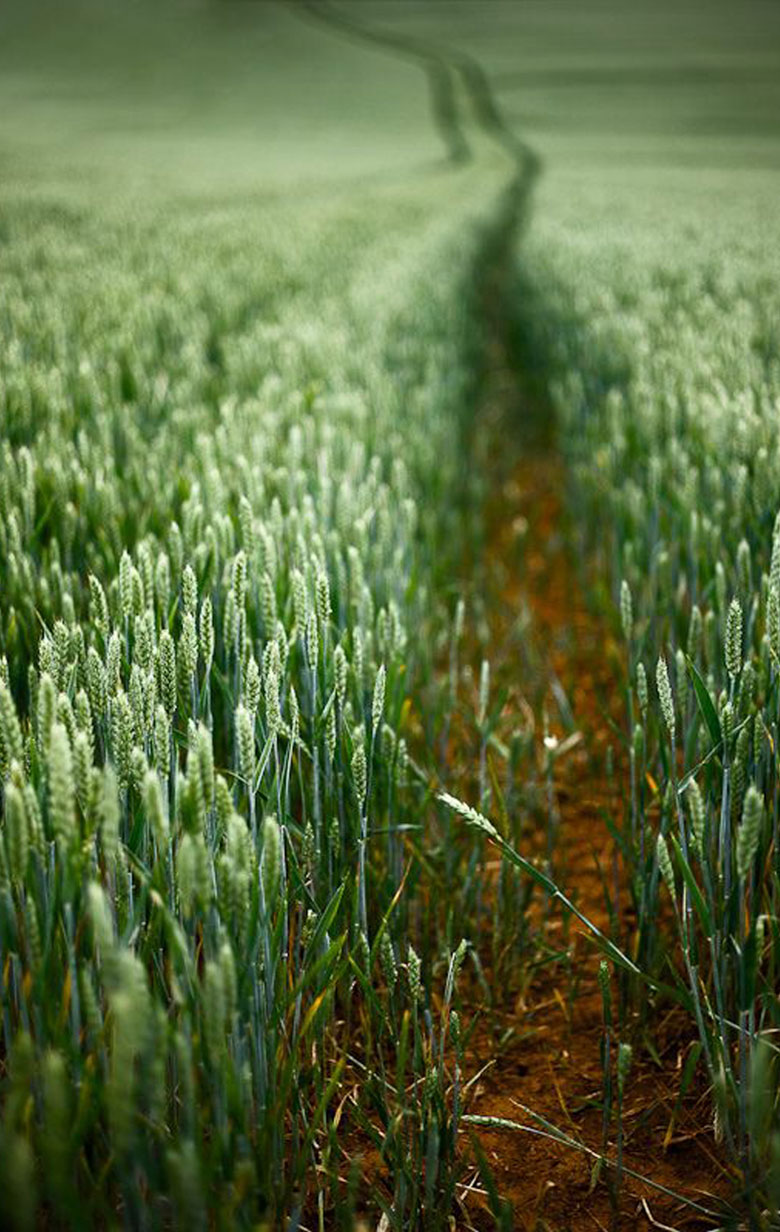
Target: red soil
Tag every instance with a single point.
(556, 1070)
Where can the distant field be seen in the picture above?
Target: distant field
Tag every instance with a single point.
(200, 97)
(281, 569)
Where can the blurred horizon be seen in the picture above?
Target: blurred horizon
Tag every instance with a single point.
(252, 94)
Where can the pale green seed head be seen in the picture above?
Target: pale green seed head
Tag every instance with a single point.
(359, 767)
(414, 976)
(697, 813)
(162, 583)
(273, 710)
(214, 1010)
(312, 641)
(340, 668)
(97, 683)
(295, 715)
(188, 646)
(665, 697)
(246, 521)
(189, 591)
(162, 741)
(378, 702)
(206, 632)
(156, 813)
(204, 759)
(387, 959)
(98, 607)
(62, 789)
(167, 672)
(323, 599)
(100, 917)
(11, 742)
(665, 864)
(108, 815)
(239, 578)
(330, 734)
(82, 766)
(47, 710)
(223, 804)
(271, 861)
(749, 832)
(252, 686)
(681, 676)
(143, 641)
(733, 642)
(16, 833)
(193, 874)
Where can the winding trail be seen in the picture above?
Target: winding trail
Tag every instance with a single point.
(561, 659)
(453, 73)
(572, 671)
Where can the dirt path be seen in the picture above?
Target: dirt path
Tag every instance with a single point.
(552, 653)
(554, 1065)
